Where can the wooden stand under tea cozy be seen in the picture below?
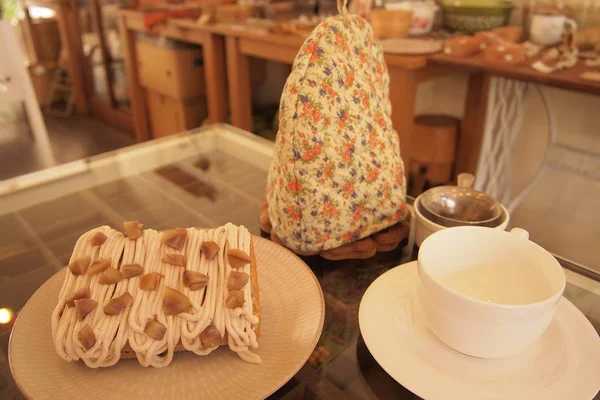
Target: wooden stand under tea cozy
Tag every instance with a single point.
(383, 241)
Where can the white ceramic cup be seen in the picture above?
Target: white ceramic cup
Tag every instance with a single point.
(548, 30)
(422, 18)
(486, 292)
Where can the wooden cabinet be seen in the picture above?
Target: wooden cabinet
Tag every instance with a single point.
(92, 53)
(168, 115)
(172, 74)
(177, 73)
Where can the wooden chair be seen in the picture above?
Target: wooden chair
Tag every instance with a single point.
(15, 83)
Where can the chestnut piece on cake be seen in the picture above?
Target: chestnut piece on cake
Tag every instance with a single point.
(98, 239)
(155, 329)
(82, 293)
(237, 258)
(175, 302)
(131, 270)
(149, 282)
(99, 265)
(80, 265)
(209, 249)
(175, 238)
(117, 305)
(133, 229)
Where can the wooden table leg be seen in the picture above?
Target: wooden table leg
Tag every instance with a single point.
(240, 91)
(213, 50)
(136, 92)
(98, 24)
(469, 143)
(34, 49)
(403, 94)
(68, 26)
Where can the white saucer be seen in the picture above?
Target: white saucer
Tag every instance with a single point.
(563, 364)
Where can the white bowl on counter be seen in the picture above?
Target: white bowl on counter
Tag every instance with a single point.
(424, 227)
(423, 15)
(487, 293)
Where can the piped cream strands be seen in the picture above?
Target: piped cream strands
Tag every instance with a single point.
(205, 302)
(106, 351)
(240, 319)
(140, 323)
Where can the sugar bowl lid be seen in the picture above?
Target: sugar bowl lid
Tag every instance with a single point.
(461, 205)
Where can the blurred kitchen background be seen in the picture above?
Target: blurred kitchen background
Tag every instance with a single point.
(91, 113)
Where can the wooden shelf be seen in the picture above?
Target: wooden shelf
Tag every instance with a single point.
(567, 79)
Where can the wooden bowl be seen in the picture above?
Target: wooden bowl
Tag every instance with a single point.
(391, 23)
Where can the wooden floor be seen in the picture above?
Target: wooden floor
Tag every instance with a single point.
(71, 139)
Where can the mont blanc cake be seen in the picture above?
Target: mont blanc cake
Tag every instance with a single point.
(147, 294)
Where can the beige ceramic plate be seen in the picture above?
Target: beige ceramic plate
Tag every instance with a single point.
(292, 320)
(412, 46)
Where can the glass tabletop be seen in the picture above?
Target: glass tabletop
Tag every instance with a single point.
(203, 178)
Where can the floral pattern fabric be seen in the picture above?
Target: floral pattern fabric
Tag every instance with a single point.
(337, 174)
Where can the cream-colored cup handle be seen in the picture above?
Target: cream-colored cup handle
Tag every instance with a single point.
(521, 232)
(572, 24)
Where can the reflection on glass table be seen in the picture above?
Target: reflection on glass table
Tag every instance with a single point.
(204, 178)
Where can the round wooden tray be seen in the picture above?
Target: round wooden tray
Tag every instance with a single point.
(384, 241)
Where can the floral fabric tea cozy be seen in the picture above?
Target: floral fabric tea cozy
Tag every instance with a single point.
(337, 174)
